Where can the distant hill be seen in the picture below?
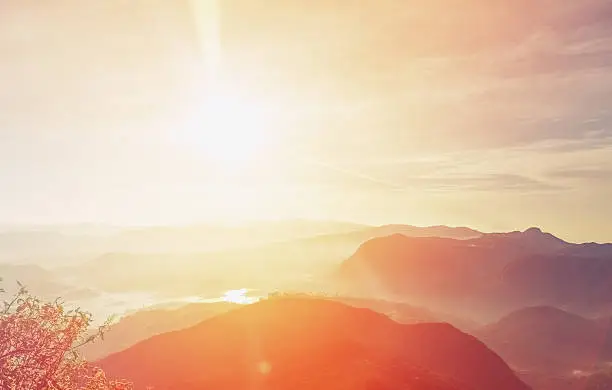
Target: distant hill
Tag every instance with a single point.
(148, 322)
(37, 279)
(430, 271)
(357, 237)
(574, 281)
(532, 240)
(598, 380)
(293, 343)
(72, 244)
(184, 272)
(460, 233)
(408, 314)
(549, 340)
(493, 273)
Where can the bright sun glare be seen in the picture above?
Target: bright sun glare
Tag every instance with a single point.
(228, 130)
(233, 131)
(238, 296)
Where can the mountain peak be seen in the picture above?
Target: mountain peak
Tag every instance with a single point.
(340, 347)
(537, 234)
(533, 230)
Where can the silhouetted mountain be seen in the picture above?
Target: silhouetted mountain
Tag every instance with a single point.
(573, 281)
(357, 237)
(590, 249)
(73, 244)
(200, 238)
(425, 270)
(312, 343)
(494, 273)
(183, 272)
(149, 322)
(597, 380)
(535, 241)
(460, 233)
(546, 339)
(408, 314)
(532, 240)
(37, 279)
(143, 324)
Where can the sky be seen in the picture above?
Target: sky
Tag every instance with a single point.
(487, 113)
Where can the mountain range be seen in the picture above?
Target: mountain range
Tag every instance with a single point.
(550, 340)
(490, 275)
(373, 309)
(148, 322)
(306, 343)
(308, 259)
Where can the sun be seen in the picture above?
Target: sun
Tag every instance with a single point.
(233, 131)
(229, 131)
(228, 126)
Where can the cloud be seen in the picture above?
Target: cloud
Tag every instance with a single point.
(599, 140)
(424, 76)
(486, 182)
(589, 174)
(436, 176)
(450, 101)
(478, 74)
(319, 173)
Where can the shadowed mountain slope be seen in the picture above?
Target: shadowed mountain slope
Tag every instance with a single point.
(149, 322)
(305, 343)
(494, 273)
(546, 339)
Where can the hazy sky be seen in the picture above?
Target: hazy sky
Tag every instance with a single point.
(488, 113)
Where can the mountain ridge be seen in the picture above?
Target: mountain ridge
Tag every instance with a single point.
(498, 271)
(315, 331)
(549, 340)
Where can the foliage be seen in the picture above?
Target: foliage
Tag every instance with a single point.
(38, 347)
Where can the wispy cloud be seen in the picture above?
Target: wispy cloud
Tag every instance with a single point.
(497, 183)
(589, 174)
(471, 103)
